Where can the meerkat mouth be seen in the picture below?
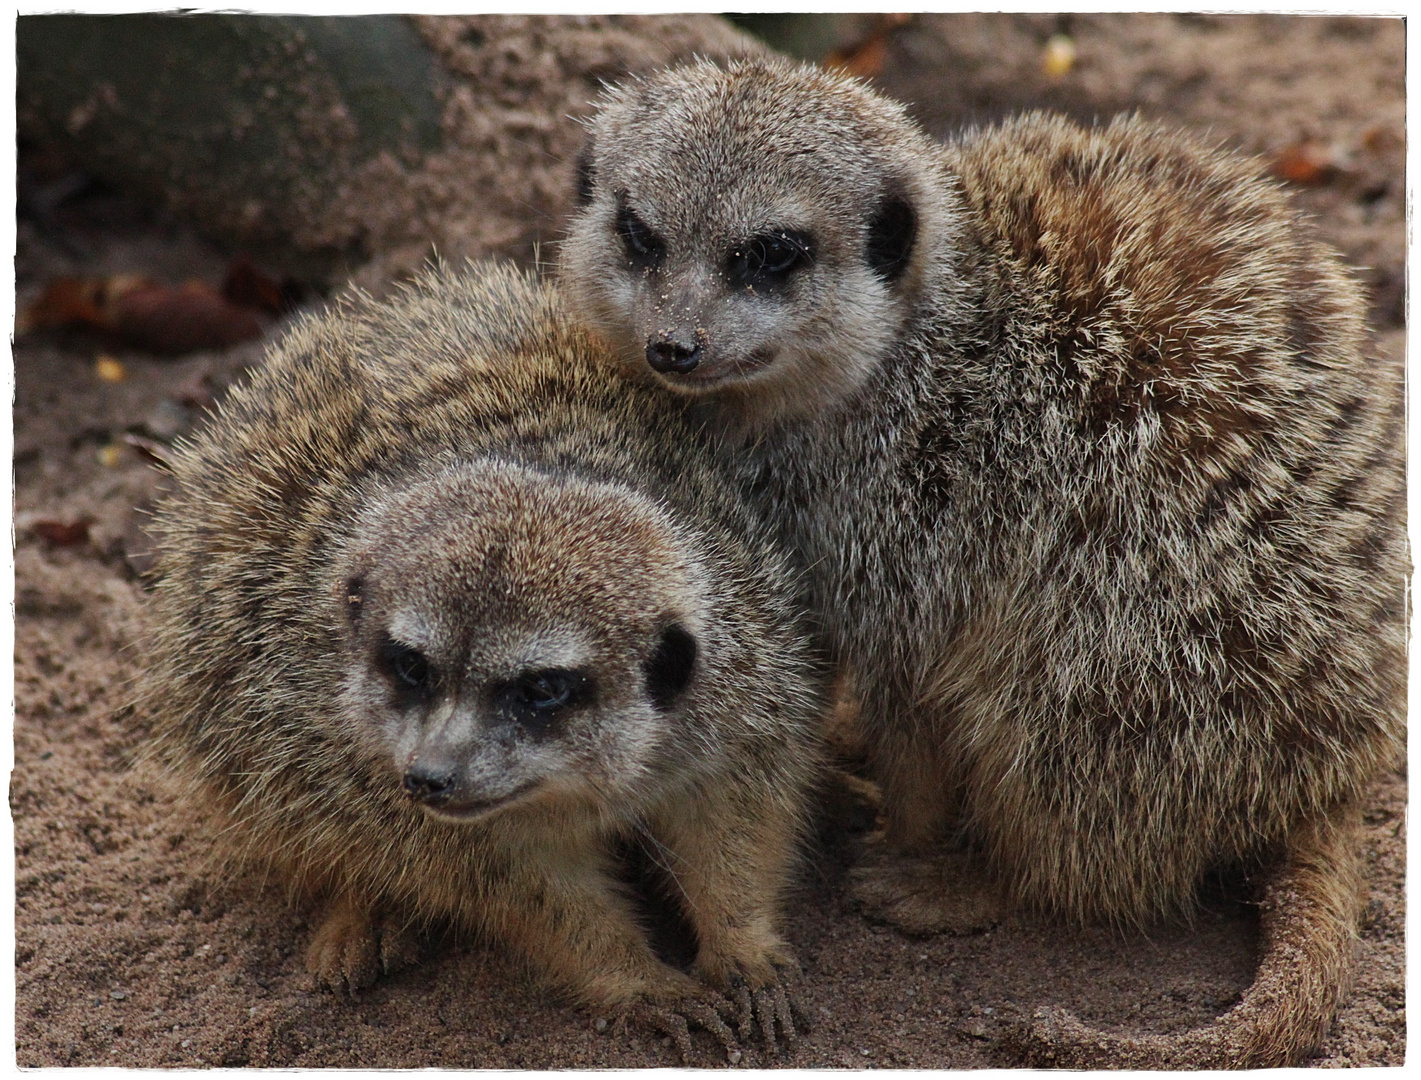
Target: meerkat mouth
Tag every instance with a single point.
(737, 369)
(473, 810)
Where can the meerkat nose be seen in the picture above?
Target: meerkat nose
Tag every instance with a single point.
(673, 352)
(428, 782)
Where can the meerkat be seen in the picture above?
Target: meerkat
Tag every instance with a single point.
(1099, 494)
(444, 616)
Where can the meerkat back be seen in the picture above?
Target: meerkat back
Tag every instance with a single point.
(1098, 493)
(436, 633)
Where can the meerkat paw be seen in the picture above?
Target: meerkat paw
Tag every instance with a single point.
(764, 984)
(940, 893)
(352, 947)
(775, 1006)
(676, 1020)
(675, 1013)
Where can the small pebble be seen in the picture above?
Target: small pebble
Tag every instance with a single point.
(1058, 57)
(118, 995)
(734, 1057)
(600, 1024)
(109, 369)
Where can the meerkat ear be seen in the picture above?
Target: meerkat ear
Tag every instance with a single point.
(892, 231)
(586, 173)
(669, 668)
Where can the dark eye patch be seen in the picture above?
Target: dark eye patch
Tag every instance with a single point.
(644, 248)
(410, 673)
(536, 699)
(765, 262)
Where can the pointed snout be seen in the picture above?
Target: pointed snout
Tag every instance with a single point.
(465, 781)
(430, 781)
(674, 351)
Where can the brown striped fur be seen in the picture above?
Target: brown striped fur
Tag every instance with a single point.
(452, 473)
(1105, 510)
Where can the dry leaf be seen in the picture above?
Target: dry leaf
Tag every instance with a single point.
(1379, 139)
(249, 287)
(191, 317)
(1306, 162)
(62, 533)
(865, 59)
(137, 311)
(64, 302)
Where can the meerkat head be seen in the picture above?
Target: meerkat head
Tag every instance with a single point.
(762, 232)
(515, 638)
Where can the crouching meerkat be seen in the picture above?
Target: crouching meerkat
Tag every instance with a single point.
(445, 614)
(1099, 492)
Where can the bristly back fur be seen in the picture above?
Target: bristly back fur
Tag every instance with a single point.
(1104, 506)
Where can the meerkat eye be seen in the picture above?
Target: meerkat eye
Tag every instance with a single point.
(767, 261)
(891, 233)
(535, 698)
(408, 669)
(645, 250)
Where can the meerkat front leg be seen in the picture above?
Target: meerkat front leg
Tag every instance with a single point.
(730, 856)
(911, 875)
(556, 897)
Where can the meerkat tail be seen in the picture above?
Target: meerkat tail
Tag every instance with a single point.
(1310, 906)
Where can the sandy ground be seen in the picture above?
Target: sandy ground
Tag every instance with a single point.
(127, 953)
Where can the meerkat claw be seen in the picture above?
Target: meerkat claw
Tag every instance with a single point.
(674, 1021)
(746, 1020)
(773, 1008)
(708, 1015)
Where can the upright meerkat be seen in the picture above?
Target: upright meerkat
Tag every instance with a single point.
(445, 615)
(1100, 494)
